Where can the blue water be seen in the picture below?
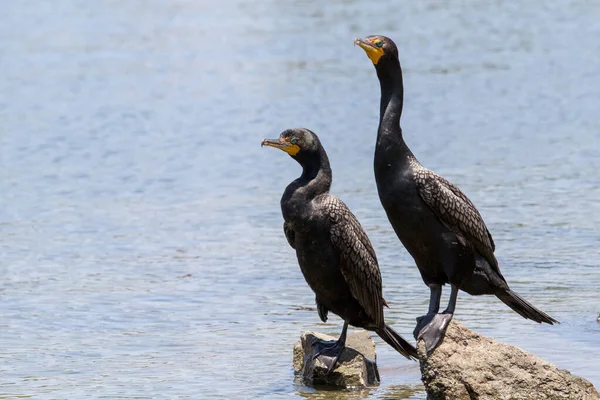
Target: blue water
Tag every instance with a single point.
(142, 254)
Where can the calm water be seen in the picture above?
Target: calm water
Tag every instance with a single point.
(142, 254)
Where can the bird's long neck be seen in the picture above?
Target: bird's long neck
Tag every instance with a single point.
(316, 174)
(315, 180)
(389, 134)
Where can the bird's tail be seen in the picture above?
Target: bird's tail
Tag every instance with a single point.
(523, 307)
(392, 338)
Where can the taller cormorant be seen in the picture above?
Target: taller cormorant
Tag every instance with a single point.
(439, 226)
(334, 252)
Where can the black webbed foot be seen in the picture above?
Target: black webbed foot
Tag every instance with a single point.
(431, 328)
(422, 321)
(328, 353)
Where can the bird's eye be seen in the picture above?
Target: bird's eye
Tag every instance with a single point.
(379, 44)
(294, 141)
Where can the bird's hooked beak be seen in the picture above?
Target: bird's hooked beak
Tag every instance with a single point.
(370, 47)
(281, 144)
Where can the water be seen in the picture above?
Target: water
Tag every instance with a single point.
(142, 250)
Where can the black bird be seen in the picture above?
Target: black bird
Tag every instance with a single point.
(439, 226)
(334, 252)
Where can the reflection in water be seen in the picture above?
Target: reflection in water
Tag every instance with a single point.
(332, 394)
(390, 392)
(142, 248)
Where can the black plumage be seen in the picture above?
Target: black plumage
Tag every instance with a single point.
(334, 252)
(439, 226)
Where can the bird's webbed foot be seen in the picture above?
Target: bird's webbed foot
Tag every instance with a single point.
(431, 328)
(328, 353)
(422, 322)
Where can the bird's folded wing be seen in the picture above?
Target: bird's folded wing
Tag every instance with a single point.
(358, 262)
(456, 212)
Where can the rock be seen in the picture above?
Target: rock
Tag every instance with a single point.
(468, 365)
(356, 367)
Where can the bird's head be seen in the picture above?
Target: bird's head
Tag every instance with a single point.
(299, 143)
(379, 49)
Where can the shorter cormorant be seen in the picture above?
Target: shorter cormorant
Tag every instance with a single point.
(334, 252)
(436, 222)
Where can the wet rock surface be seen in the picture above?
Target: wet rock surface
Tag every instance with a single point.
(468, 365)
(356, 367)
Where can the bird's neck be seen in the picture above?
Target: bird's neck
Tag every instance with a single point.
(296, 203)
(316, 175)
(389, 134)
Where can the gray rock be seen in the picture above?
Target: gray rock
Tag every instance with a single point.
(468, 365)
(356, 367)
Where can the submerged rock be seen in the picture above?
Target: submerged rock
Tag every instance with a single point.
(468, 365)
(356, 367)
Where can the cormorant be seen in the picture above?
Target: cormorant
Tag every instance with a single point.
(334, 252)
(439, 226)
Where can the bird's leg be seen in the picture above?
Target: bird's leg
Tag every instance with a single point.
(329, 353)
(433, 333)
(452, 301)
(434, 298)
(434, 308)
